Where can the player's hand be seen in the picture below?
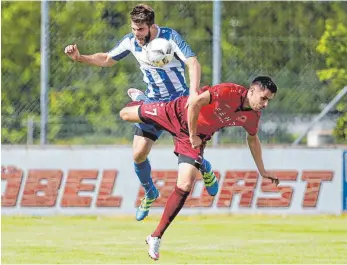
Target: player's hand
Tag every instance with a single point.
(271, 176)
(191, 97)
(72, 52)
(195, 141)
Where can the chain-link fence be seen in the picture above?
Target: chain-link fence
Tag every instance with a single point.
(279, 39)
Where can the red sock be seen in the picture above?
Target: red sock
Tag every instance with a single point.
(173, 205)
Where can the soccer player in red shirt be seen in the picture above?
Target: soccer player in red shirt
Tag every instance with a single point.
(214, 108)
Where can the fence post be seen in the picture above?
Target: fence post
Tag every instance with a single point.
(44, 69)
(217, 62)
(30, 129)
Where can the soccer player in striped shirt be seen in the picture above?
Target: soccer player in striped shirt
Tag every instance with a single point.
(163, 84)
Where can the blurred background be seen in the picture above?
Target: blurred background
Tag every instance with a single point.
(65, 152)
(301, 45)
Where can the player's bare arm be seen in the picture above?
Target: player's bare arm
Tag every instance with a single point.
(193, 113)
(255, 148)
(194, 74)
(194, 77)
(97, 59)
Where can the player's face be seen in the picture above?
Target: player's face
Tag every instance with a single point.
(259, 97)
(141, 32)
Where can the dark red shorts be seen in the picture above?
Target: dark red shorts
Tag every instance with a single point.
(164, 115)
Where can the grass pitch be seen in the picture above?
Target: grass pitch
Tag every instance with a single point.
(222, 239)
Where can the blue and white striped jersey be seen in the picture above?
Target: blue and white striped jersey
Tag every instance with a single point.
(162, 82)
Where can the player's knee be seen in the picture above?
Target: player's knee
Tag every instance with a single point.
(185, 186)
(139, 156)
(124, 114)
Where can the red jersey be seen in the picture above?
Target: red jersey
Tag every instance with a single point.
(225, 109)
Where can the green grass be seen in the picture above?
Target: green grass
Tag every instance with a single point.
(222, 239)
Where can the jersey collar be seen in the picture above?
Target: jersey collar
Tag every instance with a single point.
(158, 33)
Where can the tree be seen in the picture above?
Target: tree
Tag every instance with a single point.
(20, 67)
(277, 38)
(332, 45)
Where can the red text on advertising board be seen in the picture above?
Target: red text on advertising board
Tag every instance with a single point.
(43, 187)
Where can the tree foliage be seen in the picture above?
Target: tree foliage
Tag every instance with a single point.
(274, 38)
(332, 46)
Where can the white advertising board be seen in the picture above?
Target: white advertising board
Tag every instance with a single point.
(101, 180)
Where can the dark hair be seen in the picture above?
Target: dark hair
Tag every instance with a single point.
(142, 14)
(265, 82)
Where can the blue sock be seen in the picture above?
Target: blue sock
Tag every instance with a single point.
(143, 172)
(205, 165)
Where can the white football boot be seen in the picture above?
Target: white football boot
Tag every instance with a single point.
(136, 95)
(153, 247)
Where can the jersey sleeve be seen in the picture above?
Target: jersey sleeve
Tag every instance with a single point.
(181, 47)
(252, 126)
(122, 48)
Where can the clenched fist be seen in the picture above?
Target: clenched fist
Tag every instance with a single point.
(72, 52)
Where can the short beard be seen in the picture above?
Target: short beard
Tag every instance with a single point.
(148, 37)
